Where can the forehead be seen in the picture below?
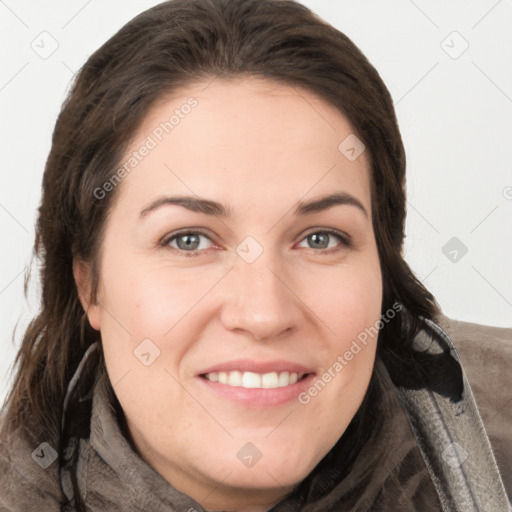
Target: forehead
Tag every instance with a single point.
(245, 140)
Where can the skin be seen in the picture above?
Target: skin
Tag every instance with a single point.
(259, 147)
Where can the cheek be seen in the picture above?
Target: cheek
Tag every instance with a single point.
(351, 310)
(145, 336)
(351, 300)
(148, 301)
(150, 310)
(359, 305)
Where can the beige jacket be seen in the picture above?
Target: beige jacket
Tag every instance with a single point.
(486, 356)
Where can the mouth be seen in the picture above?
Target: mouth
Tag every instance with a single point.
(252, 380)
(257, 384)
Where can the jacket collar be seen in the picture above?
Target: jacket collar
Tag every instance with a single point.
(449, 430)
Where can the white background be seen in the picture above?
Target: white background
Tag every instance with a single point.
(454, 113)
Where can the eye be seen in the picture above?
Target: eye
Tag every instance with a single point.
(321, 240)
(188, 243)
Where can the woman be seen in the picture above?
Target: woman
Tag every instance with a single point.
(227, 320)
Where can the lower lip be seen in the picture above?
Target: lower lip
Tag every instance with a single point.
(259, 397)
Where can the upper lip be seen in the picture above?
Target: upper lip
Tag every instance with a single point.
(250, 365)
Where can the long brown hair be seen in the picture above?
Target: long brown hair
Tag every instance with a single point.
(173, 44)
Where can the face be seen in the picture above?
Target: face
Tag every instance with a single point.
(228, 326)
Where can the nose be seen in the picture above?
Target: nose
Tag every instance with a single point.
(260, 300)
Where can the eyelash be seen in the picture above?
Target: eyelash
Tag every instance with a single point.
(345, 240)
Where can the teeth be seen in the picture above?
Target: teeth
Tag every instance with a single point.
(270, 380)
(234, 379)
(255, 380)
(251, 380)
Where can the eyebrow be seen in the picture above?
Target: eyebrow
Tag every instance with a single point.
(209, 207)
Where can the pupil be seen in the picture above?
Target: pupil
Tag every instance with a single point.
(190, 240)
(316, 236)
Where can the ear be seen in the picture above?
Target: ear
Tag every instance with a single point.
(82, 275)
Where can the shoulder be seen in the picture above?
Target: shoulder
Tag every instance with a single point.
(29, 475)
(486, 356)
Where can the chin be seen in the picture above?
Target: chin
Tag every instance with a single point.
(266, 476)
(264, 465)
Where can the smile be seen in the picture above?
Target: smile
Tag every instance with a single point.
(254, 380)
